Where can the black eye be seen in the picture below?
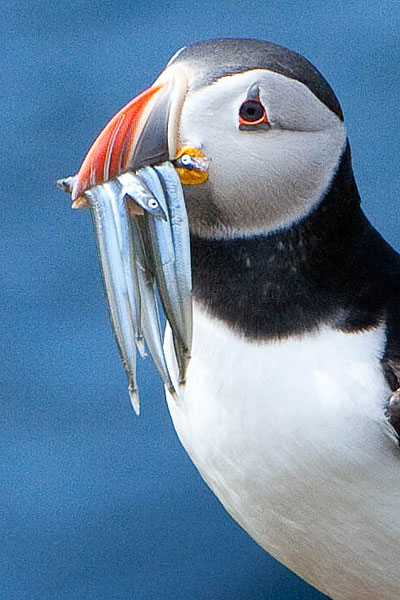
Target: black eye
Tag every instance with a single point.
(251, 111)
(252, 115)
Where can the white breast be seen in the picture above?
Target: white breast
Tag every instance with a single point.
(291, 436)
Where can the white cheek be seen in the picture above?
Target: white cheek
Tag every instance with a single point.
(280, 173)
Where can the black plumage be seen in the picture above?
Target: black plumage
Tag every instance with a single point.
(331, 268)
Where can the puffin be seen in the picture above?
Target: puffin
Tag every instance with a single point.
(291, 406)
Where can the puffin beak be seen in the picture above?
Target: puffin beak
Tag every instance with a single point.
(141, 225)
(144, 132)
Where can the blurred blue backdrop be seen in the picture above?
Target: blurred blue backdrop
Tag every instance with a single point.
(96, 503)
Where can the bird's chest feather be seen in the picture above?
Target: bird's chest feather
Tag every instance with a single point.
(291, 435)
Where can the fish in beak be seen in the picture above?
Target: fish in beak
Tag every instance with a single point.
(131, 181)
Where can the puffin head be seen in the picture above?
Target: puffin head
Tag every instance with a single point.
(266, 119)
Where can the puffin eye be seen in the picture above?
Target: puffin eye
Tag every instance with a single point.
(252, 113)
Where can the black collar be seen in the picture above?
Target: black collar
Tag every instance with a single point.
(331, 268)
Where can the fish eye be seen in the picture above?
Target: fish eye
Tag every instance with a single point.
(186, 160)
(152, 203)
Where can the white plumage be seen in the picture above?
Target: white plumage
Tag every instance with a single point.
(291, 437)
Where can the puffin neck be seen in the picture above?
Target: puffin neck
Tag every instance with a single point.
(324, 270)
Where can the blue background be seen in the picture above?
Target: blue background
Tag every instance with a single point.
(96, 503)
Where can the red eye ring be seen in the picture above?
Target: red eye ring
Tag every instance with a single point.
(247, 122)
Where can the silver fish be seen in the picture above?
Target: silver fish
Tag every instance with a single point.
(133, 186)
(141, 251)
(193, 163)
(163, 261)
(150, 319)
(112, 230)
(181, 241)
(125, 242)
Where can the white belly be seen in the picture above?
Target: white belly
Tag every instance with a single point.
(291, 437)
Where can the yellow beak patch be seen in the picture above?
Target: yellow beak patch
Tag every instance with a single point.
(191, 165)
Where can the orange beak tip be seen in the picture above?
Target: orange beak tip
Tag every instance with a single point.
(81, 202)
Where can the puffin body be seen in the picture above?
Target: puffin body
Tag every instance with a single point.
(284, 411)
(292, 439)
(290, 409)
